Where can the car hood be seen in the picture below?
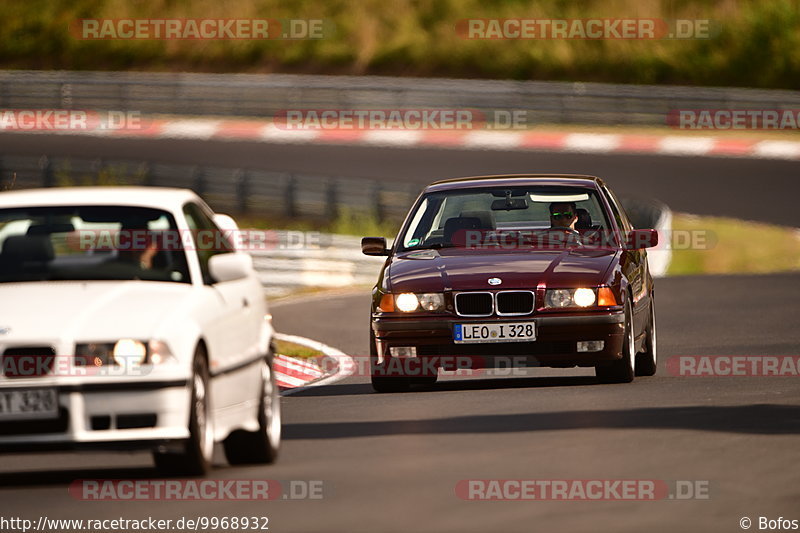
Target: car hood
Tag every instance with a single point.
(85, 311)
(464, 270)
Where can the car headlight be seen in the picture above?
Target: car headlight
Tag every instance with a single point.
(122, 353)
(562, 298)
(431, 301)
(159, 353)
(95, 354)
(408, 302)
(130, 351)
(583, 297)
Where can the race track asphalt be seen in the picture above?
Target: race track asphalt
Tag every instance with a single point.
(391, 462)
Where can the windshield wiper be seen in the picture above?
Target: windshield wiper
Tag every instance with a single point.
(434, 246)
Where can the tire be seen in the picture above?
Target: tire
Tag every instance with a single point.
(261, 446)
(384, 383)
(621, 370)
(426, 380)
(647, 361)
(198, 449)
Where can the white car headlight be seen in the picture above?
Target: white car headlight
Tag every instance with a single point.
(562, 298)
(130, 351)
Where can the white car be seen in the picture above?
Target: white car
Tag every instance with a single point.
(128, 319)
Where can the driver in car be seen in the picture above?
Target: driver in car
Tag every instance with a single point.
(563, 216)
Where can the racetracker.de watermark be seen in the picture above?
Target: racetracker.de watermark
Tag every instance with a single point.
(200, 29)
(68, 120)
(734, 365)
(734, 119)
(581, 489)
(197, 489)
(249, 240)
(553, 238)
(583, 29)
(460, 119)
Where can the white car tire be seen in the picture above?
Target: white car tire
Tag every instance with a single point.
(198, 452)
(261, 446)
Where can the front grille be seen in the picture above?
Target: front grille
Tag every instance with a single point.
(27, 361)
(514, 302)
(474, 303)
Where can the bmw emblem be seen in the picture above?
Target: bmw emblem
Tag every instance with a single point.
(495, 281)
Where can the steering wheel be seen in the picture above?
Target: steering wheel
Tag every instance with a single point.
(572, 235)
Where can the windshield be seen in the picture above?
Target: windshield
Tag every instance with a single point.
(88, 243)
(519, 216)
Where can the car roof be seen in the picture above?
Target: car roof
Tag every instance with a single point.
(515, 180)
(165, 198)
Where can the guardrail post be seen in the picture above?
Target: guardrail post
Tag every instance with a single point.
(199, 181)
(97, 167)
(377, 200)
(289, 196)
(331, 206)
(46, 166)
(147, 173)
(242, 190)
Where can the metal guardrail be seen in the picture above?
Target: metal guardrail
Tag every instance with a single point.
(336, 262)
(265, 95)
(240, 191)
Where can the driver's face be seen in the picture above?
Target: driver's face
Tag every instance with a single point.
(562, 216)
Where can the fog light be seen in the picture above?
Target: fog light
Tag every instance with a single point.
(403, 351)
(590, 346)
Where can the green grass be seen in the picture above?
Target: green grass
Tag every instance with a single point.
(754, 43)
(292, 349)
(735, 247)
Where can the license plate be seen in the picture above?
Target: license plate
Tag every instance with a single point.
(494, 332)
(25, 404)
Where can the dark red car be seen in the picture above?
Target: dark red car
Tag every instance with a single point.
(513, 271)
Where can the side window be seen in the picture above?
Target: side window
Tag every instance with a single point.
(619, 214)
(208, 239)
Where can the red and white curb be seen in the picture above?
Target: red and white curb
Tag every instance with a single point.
(292, 373)
(484, 139)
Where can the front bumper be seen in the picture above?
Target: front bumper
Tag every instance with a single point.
(555, 345)
(126, 415)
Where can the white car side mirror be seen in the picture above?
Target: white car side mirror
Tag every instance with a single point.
(225, 222)
(230, 267)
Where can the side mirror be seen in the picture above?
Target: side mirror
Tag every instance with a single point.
(230, 267)
(230, 229)
(641, 238)
(374, 246)
(225, 222)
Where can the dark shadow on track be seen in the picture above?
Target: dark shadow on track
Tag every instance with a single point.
(355, 389)
(765, 419)
(10, 480)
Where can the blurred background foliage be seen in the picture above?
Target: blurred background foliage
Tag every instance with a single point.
(755, 43)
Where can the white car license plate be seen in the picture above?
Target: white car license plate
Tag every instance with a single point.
(494, 332)
(24, 404)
